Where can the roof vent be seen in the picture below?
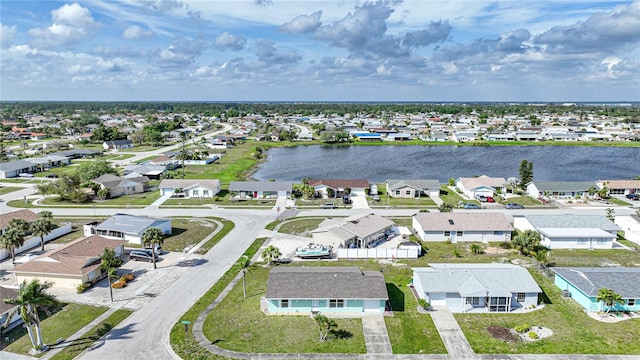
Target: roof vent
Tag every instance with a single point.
(450, 221)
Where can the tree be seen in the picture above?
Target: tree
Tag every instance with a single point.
(609, 298)
(270, 254)
(476, 249)
(347, 191)
(32, 297)
(13, 236)
(67, 187)
(243, 263)
(526, 173)
(109, 262)
(41, 227)
(445, 208)
(610, 214)
(330, 193)
(152, 237)
(325, 325)
(528, 242)
(452, 182)
(90, 170)
(184, 155)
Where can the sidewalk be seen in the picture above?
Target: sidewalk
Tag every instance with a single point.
(450, 332)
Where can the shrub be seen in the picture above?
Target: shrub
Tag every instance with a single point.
(82, 287)
(119, 284)
(424, 304)
(456, 253)
(505, 245)
(522, 328)
(533, 335)
(128, 277)
(476, 249)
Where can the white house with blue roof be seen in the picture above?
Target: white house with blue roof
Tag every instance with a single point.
(583, 284)
(127, 227)
(478, 288)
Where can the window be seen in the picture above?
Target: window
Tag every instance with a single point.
(631, 302)
(521, 297)
(582, 241)
(397, 192)
(497, 233)
(472, 300)
(459, 233)
(335, 303)
(284, 303)
(601, 241)
(408, 192)
(205, 192)
(194, 193)
(447, 233)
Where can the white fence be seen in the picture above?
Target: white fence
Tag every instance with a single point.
(206, 161)
(377, 253)
(35, 241)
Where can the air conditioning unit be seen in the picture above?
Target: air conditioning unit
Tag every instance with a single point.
(566, 293)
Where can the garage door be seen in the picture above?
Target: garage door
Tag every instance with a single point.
(438, 299)
(371, 306)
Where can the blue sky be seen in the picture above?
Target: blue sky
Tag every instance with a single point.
(305, 50)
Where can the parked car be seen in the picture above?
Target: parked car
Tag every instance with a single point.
(469, 206)
(158, 249)
(328, 206)
(346, 200)
(514, 206)
(52, 176)
(490, 199)
(143, 255)
(633, 196)
(25, 175)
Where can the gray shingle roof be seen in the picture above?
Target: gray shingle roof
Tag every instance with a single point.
(129, 224)
(463, 222)
(476, 279)
(187, 183)
(624, 281)
(416, 184)
(261, 186)
(572, 221)
(563, 186)
(15, 165)
(325, 283)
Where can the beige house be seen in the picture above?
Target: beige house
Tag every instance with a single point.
(462, 227)
(119, 186)
(412, 188)
(75, 263)
(357, 231)
(481, 186)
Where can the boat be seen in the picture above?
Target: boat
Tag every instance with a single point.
(314, 251)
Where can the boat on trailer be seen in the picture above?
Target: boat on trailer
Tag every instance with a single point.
(314, 251)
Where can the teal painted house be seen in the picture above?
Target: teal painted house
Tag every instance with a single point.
(328, 290)
(582, 284)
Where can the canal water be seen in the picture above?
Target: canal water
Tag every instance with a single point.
(378, 163)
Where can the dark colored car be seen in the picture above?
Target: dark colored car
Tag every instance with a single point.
(633, 196)
(143, 255)
(514, 206)
(469, 206)
(52, 176)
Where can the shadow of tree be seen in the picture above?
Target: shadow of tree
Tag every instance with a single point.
(191, 262)
(341, 334)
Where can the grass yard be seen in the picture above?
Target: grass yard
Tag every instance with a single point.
(300, 226)
(238, 324)
(450, 196)
(441, 251)
(593, 258)
(223, 198)
(385, 201)
(573, 330)
(8, 189)
(77, 346)
(233, 166)
(187, 232)
(143, 199)
(523, 200)
(62, 324)
(618, 202)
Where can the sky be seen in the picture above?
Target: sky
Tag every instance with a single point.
(327, 50)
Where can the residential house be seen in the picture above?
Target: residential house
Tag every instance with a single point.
(462, 227)
(630, 224)
(25, 214)
(11, 169)
(620, 187)
(73, 264)
(31, 241)
(481, 186)
(48, 161)
(476, 287)
(338, 187)
(5, 309)
(327, 290)
(153, 172)
(190, 188)
(356, 231)
(583, 284)
(560, 189)
(117, 144)
(261, 189)
(367, 137)
(119, 186)
(412, 188)
(127, 227)
(166, 161)
(570, 231)
(78, 153)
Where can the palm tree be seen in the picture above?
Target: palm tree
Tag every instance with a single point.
(13, 236)
(270, 254)
(31, 298)
(41, 227)
(609, 298)
(152, 237)
(108, 263)
(243, 263)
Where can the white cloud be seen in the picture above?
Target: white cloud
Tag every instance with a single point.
(228, 41)
(7, 33)
(71, 24)
(302, 24)
(136, 32)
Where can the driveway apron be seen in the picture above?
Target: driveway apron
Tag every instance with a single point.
(450, 332)
(376, 337)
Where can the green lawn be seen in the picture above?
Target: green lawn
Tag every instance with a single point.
(8, 189)
(593, 258)
(223, 198)
(399, 202)
(450, 196)
(523, 200)
(143, 199)
(64, 323)
(76, 228)
(187, 232)
(618, 202)
(77, 346)
(574, 331)
(300, 226)
(232, 166)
